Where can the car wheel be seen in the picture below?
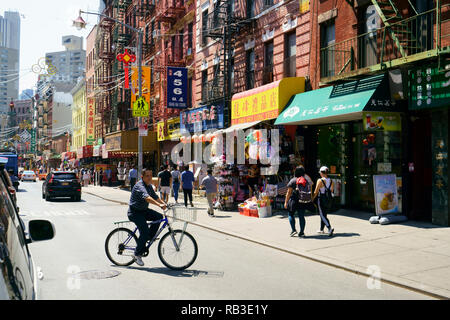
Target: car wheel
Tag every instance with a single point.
(43, 196)
(47, 197)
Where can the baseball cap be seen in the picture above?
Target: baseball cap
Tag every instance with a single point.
(324, 169)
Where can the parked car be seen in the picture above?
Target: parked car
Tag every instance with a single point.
(18, 274)
(61, 184)
(29, 176)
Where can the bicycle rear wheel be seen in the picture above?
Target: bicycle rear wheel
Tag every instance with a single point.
(184, 257)
(120, 245)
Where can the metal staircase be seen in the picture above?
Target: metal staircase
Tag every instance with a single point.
(398, 28)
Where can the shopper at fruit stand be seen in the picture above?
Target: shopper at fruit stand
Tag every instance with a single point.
(324, 193)
(211, 188)
(298, 199)
(187, 178)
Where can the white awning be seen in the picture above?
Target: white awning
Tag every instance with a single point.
(241, 126)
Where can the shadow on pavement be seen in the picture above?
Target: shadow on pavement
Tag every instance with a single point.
(182, 273)
(65, 200)
(335, 235)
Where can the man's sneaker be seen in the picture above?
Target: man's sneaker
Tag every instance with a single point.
(293, 233)
(330, 233)
(192, 205)
(138, 260)
(301, 235)
(321, 232)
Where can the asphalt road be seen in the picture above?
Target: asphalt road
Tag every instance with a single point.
(226, 268)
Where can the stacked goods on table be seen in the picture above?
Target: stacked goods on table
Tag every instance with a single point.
(256, 207)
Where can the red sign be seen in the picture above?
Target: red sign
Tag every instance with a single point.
(126, 58)
(88, 151)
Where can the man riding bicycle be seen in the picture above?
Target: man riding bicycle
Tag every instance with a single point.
(141, 196)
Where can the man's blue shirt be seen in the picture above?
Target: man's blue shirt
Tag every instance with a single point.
(139, 193)
(187, 177)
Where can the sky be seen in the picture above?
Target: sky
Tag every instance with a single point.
(43, 24)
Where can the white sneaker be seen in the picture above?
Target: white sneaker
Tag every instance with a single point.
(321, 232)
(138, 260)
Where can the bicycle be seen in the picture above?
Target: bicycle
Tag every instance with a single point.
(173, 247)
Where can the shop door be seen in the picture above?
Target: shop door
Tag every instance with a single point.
(421, 178)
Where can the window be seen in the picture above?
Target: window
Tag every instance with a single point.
(327, 37)
(204, 26)
(250, 69)
(180, 44)
(173, 48)
(153, 29)
(290, 49)
(232, 75)
(204, 84)
(268, 63)
(190, 33)
(250, 8)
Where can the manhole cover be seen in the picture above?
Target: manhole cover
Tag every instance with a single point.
(95, 274)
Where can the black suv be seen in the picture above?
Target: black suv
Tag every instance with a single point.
(61, 184)
(18, 275)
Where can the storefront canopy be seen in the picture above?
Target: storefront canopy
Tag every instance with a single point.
(340, 103)
(241, 126)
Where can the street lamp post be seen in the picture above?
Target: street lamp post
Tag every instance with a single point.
(79, 23)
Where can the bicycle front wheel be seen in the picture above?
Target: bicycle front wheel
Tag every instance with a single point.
(120, 245)
(179, 259)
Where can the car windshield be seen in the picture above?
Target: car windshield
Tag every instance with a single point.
(28, 172)
(64, 176)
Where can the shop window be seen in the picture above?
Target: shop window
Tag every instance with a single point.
(327, 40)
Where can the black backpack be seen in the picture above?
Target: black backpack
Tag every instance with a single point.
(304, 194)
(326, 199)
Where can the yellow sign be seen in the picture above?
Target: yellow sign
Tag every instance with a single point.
(141, 108)
(161, 135)
(304, 6)
(173, 129)
(146, 78)
(266, 102)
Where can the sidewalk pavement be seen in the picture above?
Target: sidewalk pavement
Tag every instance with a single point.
(415, 255)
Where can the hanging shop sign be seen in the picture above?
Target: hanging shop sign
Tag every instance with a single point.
(382, 121)
(161, 131)
(143, 130)
(173, 129)
(90, 136)
(80, 153)
(113, 142)
(177, 88)
(429, 87)
(146, 78)
(386, 194)
(96, 151)
(266, 102)
(88, 151)
(201, 119)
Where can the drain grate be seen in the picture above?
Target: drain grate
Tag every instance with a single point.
(96, 275)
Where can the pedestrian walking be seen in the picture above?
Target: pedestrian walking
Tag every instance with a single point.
(324, 194)
(210, 184)
(187, 179)
(299, 199)
(101, 177)
(108, 176)
(176, 180)
(133, 177)
(86, 178)
(164, 183)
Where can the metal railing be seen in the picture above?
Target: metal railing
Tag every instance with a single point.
(408, 40)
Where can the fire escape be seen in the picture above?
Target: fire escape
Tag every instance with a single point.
(223, 24)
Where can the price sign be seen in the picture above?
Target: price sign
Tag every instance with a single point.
(177, 79)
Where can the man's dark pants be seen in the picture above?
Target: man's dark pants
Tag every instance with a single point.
(187, 193)
(132, 183)
(140, 218)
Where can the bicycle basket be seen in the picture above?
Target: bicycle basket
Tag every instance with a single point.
(185, 214)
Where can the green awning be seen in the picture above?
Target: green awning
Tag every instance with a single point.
(340, 103)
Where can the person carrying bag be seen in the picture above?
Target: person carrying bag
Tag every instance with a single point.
(324, 194)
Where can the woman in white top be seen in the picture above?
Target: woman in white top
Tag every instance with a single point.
(86, 178)
(322, 184)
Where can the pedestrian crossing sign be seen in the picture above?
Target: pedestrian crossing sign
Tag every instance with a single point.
(141, 108)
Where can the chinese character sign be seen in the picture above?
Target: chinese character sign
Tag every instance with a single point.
(201, 119)
(90, 136)
(177, 87)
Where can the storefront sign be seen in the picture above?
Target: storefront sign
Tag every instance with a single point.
(429, 87)
(80, 153)
(96, 152)
(161, 131)
(104, 152)
(90, 134)
(386, 194)
(88, 151)
(146, 79)
(266, 102)
(177, 88)
(201, 119)
(382, 121)
(113, 142)
(173, 128)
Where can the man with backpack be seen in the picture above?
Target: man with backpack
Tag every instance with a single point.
(298, 199)
(324, 191)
